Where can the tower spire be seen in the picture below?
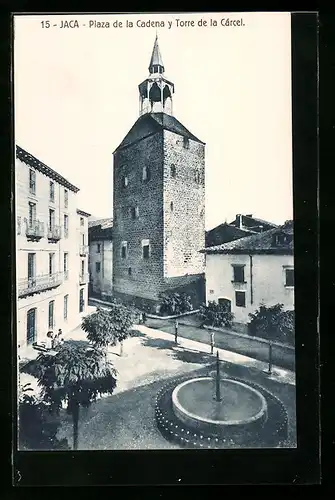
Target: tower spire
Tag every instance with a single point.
(155, 92)
(156, 62)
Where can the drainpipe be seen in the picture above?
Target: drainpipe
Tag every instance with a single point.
(103, 267)
(251, 282)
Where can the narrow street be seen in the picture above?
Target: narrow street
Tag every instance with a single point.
(281, 356)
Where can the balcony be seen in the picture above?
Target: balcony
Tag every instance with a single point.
(83, 278)
(83, 250)
(54, 233)
(34, 230)
(37, 284)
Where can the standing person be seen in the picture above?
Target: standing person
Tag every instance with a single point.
(49, 340)
(60, 337)
(144, 317)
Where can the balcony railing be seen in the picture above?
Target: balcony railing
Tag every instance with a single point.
(34, 230)
(39, 284)
(54, 233)
(83, 278)
(83, 250)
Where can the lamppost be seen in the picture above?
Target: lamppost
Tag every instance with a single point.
(270, 358)
(218, 386)
(176, 332)
(212, 341)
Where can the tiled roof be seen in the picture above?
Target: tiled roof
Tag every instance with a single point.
(30, 160)
(151, 123)
(224, 233)
(104, 223)
(258, 243)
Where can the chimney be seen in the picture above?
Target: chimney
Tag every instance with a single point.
(239, 221)
(249, 215)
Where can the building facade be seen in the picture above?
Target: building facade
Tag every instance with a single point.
(253, 270)
(100, 236)
(159, 199)
(51, 251)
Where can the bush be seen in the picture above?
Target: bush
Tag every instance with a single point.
(175, 303)
(272, 323)
(216, 315)
(37, 427)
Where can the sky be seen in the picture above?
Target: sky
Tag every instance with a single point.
(76, 97)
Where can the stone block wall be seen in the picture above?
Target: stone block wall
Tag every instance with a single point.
(135, 275)
(184, 206)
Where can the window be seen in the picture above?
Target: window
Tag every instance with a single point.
(66, 304)
(240, 299)
(82, 221)
(31, 266)
(226, 303)
(31, 326)
(66, 265)
(197, 176)
(173, 170)
(52, 191)
(81, 300)
(98, 267)
(32, 214)
(51, 219)
(32, 181)
(82, 267)
(129, 271)
(238, 270)
(145, 249)
(51, 314)
(83, 239)
(66, 198)
(145, 174)
(51, 263)
(98, 247)
(124, 249)
(289, 277)
(124, 181)
(134, 212)
(186, 142)
(66, 225)
(171, 206)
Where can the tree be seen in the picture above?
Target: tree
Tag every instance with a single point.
(37, 428)
(272, 323)
(175, 303)
(216, 315)
(76, 375)
(108, 326)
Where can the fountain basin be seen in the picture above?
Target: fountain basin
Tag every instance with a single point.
(242, 408)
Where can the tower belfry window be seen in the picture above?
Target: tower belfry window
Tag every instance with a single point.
(186, 142)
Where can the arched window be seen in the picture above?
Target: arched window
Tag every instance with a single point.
(173, 170)
(171, 206)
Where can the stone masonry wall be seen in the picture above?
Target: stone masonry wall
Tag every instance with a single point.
(184, 206)
(146, 274)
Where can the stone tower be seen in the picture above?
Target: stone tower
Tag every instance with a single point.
(159, 200)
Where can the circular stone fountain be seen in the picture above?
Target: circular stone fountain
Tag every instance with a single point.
(241, 409)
